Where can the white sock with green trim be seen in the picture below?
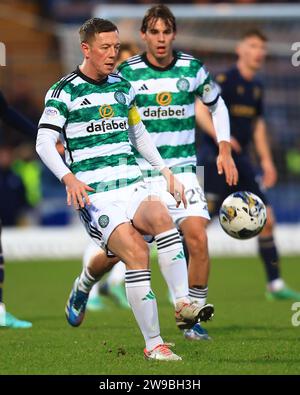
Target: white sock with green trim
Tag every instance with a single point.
(143, 303)
(86, 281)
(172, 264)
(199, 294)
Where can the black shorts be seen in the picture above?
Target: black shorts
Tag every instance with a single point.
(215, 187)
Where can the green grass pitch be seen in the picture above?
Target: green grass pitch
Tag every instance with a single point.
(250, 334)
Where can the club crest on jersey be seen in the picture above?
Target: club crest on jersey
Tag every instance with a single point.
(164, 98)
(103, 221)
(106, 111)
(183, 85)
(120, 97)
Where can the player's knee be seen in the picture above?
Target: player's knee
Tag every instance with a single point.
(161, 220)
(196, 240)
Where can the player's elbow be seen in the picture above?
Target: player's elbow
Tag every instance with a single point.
(39, 144)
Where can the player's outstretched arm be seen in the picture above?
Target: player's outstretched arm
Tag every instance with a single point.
(225, 162)
(204, 119)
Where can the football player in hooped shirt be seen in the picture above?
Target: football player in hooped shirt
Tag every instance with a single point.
(243, 94)
(166, 84)
(105, 184)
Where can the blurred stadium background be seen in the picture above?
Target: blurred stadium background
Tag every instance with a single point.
(41, 45)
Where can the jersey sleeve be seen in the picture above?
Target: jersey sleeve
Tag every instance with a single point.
(134, 117)
(206, 89)
(55, 113)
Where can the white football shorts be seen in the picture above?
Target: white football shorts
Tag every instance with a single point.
(197, 205)
(109, 210)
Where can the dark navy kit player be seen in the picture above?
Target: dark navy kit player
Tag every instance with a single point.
(242, 92)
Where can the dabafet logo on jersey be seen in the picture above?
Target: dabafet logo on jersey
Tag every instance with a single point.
(107, 124)
(164, 99)
(160, 112)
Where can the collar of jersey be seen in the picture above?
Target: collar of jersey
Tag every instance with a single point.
(88, 79)
(170, 66)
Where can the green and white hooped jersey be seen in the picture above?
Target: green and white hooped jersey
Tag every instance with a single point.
(166, 102)
(93, 119)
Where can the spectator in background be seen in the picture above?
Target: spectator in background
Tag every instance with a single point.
(68, 11)
(22, 98)
(28, 168)
(11, 117)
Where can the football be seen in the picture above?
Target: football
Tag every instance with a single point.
(242, 215)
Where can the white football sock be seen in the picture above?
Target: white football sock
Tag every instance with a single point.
(198, 295)
(90, 251)
(172, 264)
(143, 303)
(86, 281)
